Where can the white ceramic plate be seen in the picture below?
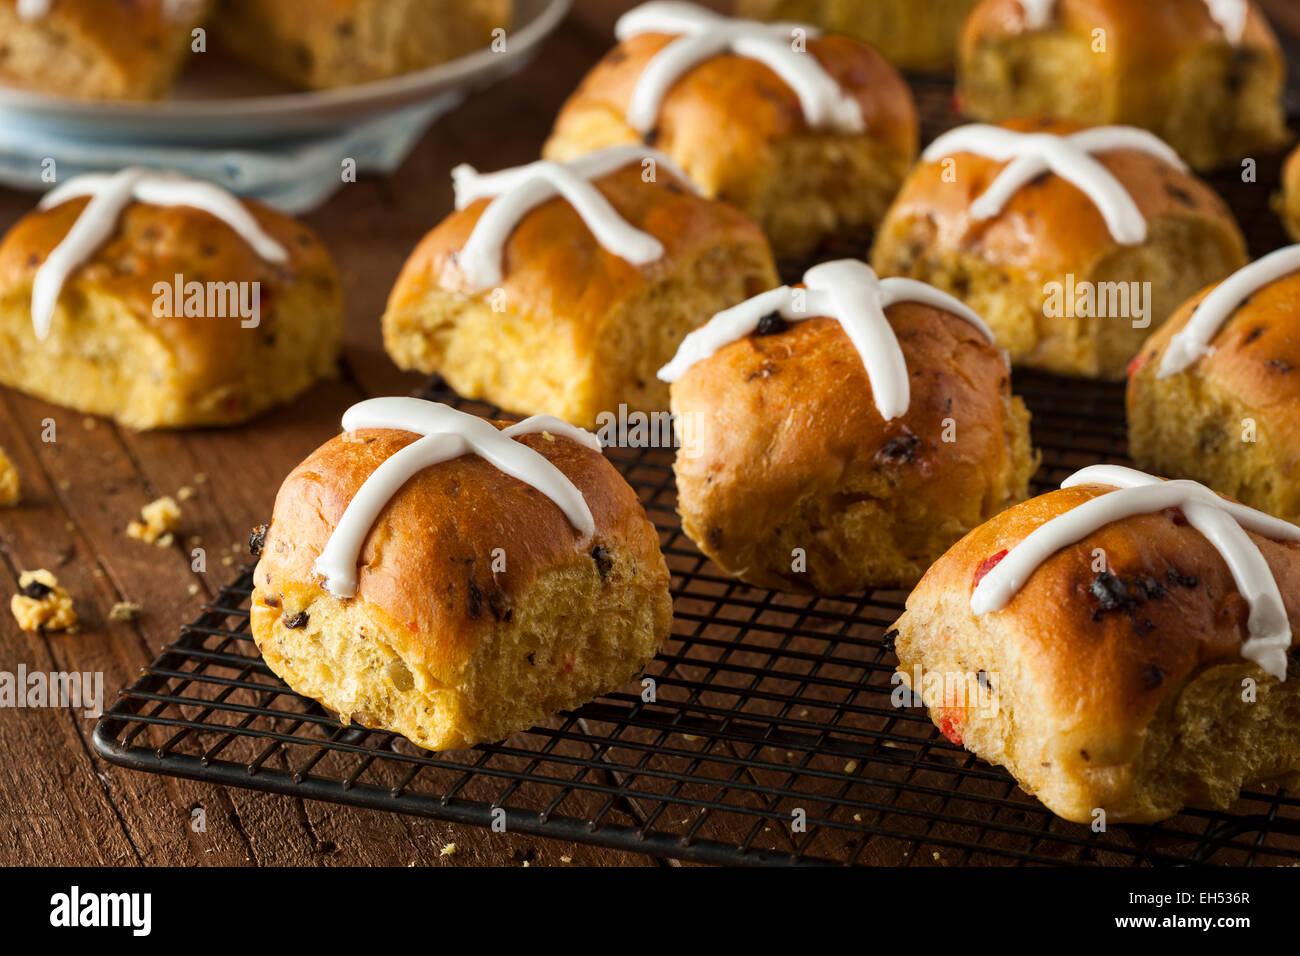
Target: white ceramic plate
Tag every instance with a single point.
(220, 101)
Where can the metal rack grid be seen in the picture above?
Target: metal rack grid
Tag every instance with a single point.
(769, 708)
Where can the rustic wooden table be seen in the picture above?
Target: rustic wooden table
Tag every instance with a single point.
(59, 802)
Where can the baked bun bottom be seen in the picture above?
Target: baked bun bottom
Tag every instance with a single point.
(1138, 707)
(479, 611)
(100, 359)
(1215, 103)
(910, 35)
(1231, 419)
(1176, 259)
(572, 637)
(811, 187)
(580, 366)
(789, 478)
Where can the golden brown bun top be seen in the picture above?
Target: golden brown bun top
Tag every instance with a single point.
(428, 562)
(1049, 225)
(155, 243)
(798, 407)
(1256, 357)
(1108, 671)
(744, 100)
(1138, 32)
(553, 266)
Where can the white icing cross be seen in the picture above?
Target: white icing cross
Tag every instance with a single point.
(1070, 157)
(448, 434)
(1038, 13)
(704, 35)
(110, 194)
(1192, 341)
(523, 188)
(849, 292)
(1230, 15)
(32, 9)
(1221, 522)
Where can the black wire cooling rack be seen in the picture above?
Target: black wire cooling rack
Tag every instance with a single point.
(772, 738)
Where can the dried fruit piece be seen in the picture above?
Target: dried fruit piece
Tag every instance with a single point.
(50, 610)
(770, 324)
(985, 566)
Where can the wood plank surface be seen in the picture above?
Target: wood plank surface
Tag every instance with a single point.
(59, 802)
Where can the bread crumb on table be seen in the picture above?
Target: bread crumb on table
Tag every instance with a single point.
(41, 604)
(124, 611)
(10, 486)
(162, 518)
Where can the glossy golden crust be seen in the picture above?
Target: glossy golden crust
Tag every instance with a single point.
(581, 330)
(300, 305)
(911, 34)
(1164, 65)
(737, 106)
(78, 49)
(554, 268)
(793, 453)
(1051, 232)
(332, 43)
(733, 125)
(1091, 705)
(1051, 226)
(455, 569)
(1231, 419)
